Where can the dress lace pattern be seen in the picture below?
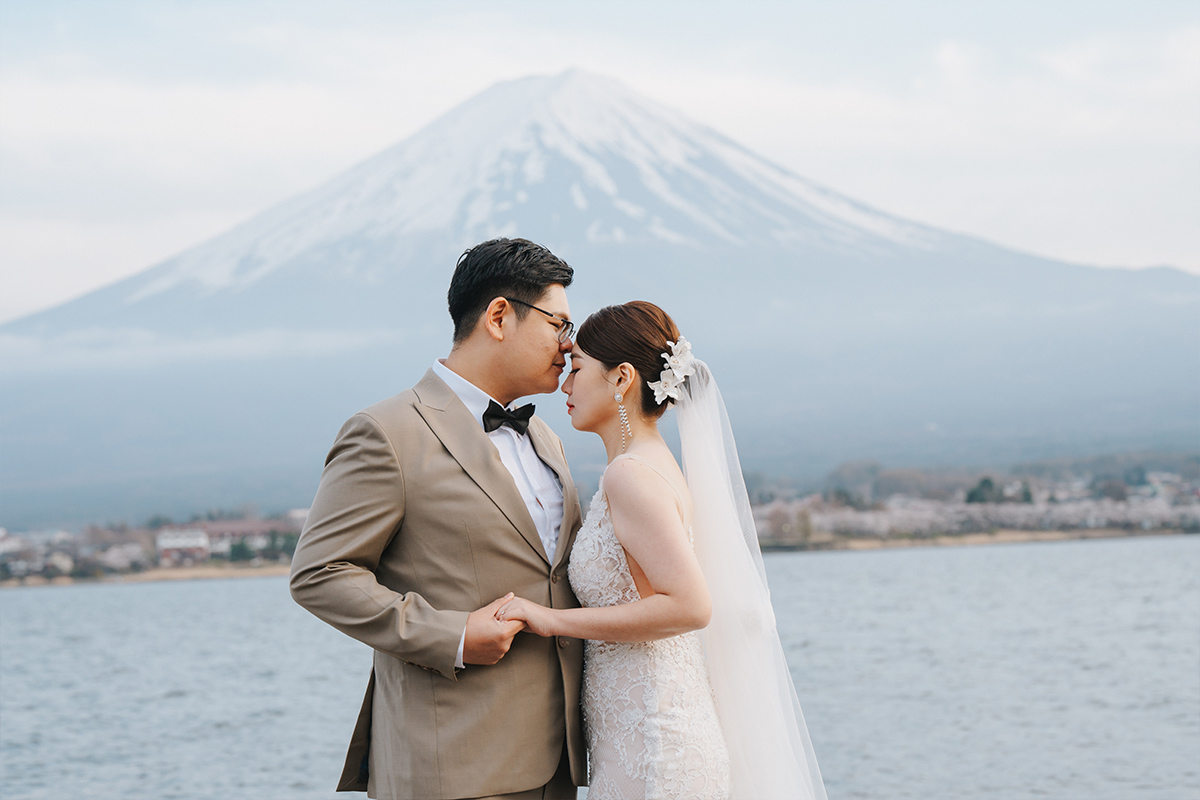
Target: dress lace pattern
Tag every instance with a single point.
(652, 726)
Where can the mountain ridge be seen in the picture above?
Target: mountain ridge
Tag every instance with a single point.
(838, 331)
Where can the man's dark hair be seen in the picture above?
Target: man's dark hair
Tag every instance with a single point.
(515, 268)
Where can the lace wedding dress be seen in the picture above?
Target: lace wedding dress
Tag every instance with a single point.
(652, 725)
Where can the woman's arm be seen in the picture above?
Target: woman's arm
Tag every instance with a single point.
(648, 526)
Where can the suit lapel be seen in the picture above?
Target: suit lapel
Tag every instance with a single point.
(548, 451)
(465, 440)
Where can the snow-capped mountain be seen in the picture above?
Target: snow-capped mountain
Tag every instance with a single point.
(576, 154)
(219, 376)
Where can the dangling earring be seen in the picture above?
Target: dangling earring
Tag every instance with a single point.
(626, 431)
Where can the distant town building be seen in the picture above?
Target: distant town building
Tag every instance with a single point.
(178, 546)
(11, 544)
(254, 533)
(60, 562)
(122, 557)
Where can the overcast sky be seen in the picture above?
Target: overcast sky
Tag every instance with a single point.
(130, 131)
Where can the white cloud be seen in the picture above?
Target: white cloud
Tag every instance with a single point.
(1167, 63)
(1108, 174)
(106, 349)
(958, 63)
(1087, 150)
(48, 261)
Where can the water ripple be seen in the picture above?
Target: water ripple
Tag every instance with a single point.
(1066, 669)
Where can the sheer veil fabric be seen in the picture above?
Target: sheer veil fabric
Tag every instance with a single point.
(770, 752)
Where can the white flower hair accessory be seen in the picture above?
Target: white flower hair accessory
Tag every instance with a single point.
(680, 364)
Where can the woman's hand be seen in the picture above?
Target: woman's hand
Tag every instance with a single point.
(538, 619)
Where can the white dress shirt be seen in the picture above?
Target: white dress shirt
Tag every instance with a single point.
(538, 484)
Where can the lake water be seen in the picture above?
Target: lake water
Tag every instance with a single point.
(1062, 670)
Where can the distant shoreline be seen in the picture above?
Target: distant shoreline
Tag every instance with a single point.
(825, 543)
(830, 542)
(197, 573)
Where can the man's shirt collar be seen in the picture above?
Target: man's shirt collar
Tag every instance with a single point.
(475, 399)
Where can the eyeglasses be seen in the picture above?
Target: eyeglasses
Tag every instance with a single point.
(566, 328)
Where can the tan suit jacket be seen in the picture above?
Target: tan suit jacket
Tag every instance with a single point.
(416, 523)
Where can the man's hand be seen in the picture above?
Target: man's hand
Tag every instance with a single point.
(488, 639)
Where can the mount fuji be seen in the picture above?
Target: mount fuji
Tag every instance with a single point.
(838, 331)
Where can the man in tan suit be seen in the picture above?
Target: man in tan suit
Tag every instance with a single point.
(433, 506)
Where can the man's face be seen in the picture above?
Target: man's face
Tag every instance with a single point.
(538, 358)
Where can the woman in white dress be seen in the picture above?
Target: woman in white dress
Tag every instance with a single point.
(686, 693)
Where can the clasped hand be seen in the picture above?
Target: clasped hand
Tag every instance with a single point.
(488, 637)
(536, 618)
(490, 630)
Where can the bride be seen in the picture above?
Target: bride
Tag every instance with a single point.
(686, 692)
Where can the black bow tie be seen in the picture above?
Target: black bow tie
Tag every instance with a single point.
(517, 419)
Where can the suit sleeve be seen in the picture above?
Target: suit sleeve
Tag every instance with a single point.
(358, 509)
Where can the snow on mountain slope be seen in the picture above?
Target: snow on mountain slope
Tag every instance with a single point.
(632, 170)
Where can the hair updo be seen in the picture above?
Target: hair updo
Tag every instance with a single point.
(636, 333)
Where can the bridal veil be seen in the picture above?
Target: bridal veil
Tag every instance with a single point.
(770, 752)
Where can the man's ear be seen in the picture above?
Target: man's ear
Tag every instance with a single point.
(493, 318)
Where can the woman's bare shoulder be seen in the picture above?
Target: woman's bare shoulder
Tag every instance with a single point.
(629, 477)
(639, 483)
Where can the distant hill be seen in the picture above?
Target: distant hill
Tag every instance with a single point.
(837, 331)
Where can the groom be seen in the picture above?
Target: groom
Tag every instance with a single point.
(434, 504)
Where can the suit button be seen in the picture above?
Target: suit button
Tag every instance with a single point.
(563, 641)
(554, 577)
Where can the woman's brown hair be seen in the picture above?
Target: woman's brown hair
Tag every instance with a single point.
(637, 333)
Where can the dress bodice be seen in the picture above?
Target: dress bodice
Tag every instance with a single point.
(598, 570)
(649, 713)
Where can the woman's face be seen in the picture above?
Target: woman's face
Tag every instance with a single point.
(589, 393)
